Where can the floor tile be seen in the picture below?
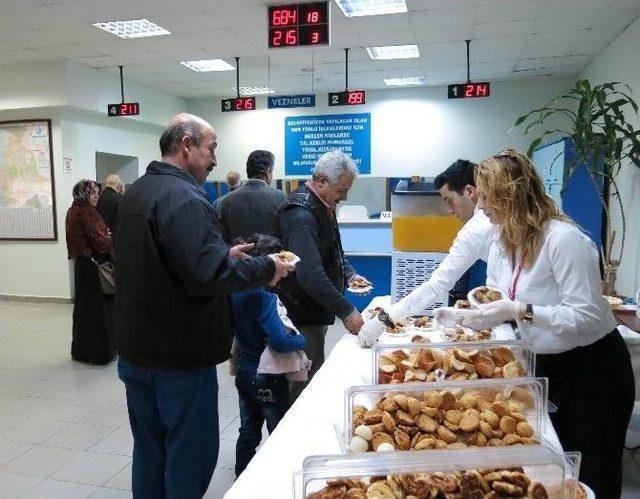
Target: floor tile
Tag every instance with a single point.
(91, 468)
(221, 482)
(35, 430)
(121, 480)
(118, 442)
(79, 436)
(105, 493)
(13, 486)
(54, 489)
(10, 450)
(227, 454)
(630, 480)
(231, 431)
(40, 461)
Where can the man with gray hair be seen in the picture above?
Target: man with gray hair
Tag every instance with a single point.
(314, 294)
(109, 201)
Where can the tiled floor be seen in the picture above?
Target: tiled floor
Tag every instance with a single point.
(64, 431)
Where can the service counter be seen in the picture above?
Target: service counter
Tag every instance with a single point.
(368, 245)
(308, 428)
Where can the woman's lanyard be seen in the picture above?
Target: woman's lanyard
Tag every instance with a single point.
(514, 283)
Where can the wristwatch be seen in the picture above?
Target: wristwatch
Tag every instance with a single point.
(528, 314)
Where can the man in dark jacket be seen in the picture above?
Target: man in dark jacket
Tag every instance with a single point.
(109, 201)
(251, 208)
(172, 319)
(307, 221)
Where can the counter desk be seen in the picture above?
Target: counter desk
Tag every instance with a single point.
(368, 245)
(308, 428)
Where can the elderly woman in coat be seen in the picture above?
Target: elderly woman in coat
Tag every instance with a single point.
(89, 243)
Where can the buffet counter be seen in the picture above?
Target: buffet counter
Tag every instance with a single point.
(309, 427)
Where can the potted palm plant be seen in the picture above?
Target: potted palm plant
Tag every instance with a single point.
(603, 140)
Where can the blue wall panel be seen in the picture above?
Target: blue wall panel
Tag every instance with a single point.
(378, 270)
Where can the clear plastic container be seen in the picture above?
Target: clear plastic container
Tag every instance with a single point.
(415, 362)
(421, 220)
(541, 464)
(450, 414)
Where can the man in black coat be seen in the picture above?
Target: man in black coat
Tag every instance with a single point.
(172, 322)
(252, 207)
(314, 295)
(109, 201)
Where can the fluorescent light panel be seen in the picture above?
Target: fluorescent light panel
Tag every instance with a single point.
(133, 28)
(408, 80)
(256, 90)
(355, 8)
(394, 52)
(205, 65)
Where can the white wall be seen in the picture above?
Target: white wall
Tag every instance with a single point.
(38, 268)
(620, 62)
(414, 131)
(32, 85)
(41, 268)
(44, 91)
(93, 89)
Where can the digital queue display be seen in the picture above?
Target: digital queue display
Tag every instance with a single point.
(469, 90)
(347, 98)
(238, 104)
(123, 109)
(298, 25)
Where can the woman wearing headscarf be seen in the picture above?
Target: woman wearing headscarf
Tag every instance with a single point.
(548, 270)
(89, 243)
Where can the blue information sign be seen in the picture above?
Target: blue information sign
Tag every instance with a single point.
(306, 138)
(280, 101)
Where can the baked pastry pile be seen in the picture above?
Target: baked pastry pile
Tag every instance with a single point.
(454, 364)
(440, 419)
(471, 484)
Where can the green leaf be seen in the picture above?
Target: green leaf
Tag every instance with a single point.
(521, 119)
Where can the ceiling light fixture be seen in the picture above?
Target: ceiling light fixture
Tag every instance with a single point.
(206, 65)
(406, 81)
(394, 52)
(355, 8)
(256, 91)
(133, 28)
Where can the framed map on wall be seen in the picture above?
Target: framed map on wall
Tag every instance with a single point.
(27, 196)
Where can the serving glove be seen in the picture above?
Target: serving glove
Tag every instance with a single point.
(495, 313)
(370, 332)
(449, 316)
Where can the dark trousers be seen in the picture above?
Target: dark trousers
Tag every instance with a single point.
(315, 336)
(174, 421)
(593, 388)
(92, 337)
(262, 397)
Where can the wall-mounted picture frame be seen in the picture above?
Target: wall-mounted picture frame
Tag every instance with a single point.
(27, 187)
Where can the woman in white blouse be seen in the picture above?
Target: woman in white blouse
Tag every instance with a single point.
(548, 269)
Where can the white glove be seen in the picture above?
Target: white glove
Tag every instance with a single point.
(370, 332)
(495, 313)
(449, 316)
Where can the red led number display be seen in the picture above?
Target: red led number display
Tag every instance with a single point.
(476, 90)
(355, 98)
(238, 104)
(128, 108)
(469, 90)
(283, 17)
(299, 25)
(124, 109)
(352, 98)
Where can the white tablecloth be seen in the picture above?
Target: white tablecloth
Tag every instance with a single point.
(308, 427)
